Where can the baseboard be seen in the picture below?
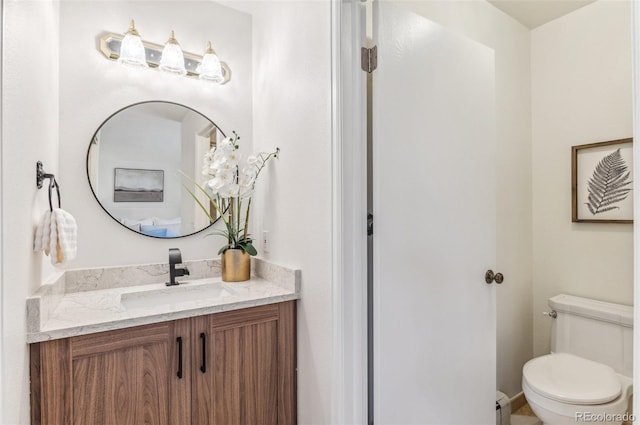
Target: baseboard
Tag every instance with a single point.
(517, 401)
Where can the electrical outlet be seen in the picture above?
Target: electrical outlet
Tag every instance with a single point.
(265, 241)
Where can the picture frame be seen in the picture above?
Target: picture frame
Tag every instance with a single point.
(602, 182)
(138, 185)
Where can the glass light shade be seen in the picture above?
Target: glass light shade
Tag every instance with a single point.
(131, 50)
(172, 60)
(210, 68)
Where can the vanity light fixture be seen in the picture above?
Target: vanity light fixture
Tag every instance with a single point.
(131, 50)
(210, 68)
(172, 60)
(126, 49)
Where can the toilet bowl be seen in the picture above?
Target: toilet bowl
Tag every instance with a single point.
(565, 389)
(587, 376)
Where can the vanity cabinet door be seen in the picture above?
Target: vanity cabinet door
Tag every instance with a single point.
(128, 376)
(244, 367)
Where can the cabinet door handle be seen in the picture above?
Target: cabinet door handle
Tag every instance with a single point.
(179, 341)
(203, 340)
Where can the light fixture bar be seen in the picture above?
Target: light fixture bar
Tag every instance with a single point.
(110, 47)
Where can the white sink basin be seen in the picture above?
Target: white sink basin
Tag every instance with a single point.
(168, 295)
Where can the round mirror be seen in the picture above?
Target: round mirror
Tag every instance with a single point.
(136, 161)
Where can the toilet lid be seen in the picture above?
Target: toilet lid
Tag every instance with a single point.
(571, 379)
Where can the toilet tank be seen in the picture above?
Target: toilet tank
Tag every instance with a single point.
(595, 330)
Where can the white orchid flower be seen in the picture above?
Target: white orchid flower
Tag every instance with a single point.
(248, 176)
(220, 180)
(252, 160)
(219, 156)
(225, 176)
(229, 191)
(226, 167)
(209, 155)
(246, 190)
(213, 169)
(231, 182)
(214, 184)
(226, 145)
(233, 157)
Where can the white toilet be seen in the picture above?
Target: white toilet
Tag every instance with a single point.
(588, 375)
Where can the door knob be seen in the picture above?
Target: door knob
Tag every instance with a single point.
(491, 277)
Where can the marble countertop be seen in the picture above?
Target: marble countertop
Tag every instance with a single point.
(80, 302)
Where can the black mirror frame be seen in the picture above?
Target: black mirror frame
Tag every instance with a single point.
(94, 192)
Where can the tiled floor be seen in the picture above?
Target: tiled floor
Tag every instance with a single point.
(524, 410)
(524, 416)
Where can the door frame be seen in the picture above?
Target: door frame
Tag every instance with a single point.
(635, 30)
(348, 240)
(2, 288)
(348, 216)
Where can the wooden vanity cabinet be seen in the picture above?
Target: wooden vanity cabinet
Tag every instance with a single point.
(245, 367)
(236, 367)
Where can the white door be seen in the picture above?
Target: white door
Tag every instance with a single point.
(434, 230)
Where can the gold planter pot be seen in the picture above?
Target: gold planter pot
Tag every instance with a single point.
(236, 265)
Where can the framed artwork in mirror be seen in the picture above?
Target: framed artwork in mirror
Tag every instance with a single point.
(602, 182)
(135, 185)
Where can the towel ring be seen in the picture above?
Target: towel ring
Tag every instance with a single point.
(40, 176)
(51, 186)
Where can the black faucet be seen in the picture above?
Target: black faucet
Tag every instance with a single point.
(175, 257)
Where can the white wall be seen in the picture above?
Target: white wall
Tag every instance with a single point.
(140, 140)
(581, 93)
(92, 88)
(1, 211)
(29, 134)
(484, 23)
(292, 110)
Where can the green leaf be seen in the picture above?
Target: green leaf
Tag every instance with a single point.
(250, 249)
(195, 198)
(199, 187)
(216, 232)
(224, 248)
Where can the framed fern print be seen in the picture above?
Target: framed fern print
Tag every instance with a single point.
(602, 182)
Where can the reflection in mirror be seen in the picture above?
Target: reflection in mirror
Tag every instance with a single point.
(134, 163)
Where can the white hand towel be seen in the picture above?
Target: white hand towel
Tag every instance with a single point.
(64, 226)
(57, 234)
(43, 232)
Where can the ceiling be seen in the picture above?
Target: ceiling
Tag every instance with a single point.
(533, 13)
